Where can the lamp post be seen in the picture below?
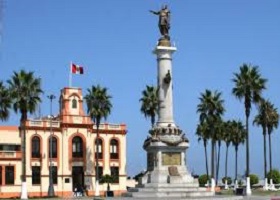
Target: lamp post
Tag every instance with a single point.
(51, 189)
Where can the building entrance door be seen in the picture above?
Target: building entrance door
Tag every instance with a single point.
(77, 177)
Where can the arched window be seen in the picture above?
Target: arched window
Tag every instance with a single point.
(74, 103)
(99, 148)
(35, 147)
(54, 147)
(77, 147)
(114, 149)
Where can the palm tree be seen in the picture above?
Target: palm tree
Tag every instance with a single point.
(210, 110)
(5, 102)
(248, 86)
(25, 90)
(261, 119)
(273, 120)
(238, 134)
(149, 100)
(203, 134)
(98, 107)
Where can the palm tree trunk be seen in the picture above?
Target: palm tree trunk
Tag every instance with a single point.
(264, 151)
(270, 153)
(206, 159)
(96, 157)
(236, 152)
(226, 164)
(247, 146)
(97, 153)
(218, 162)
(23, 147)
(24, 193)
(213, 159)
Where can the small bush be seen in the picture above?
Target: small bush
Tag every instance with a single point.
(240, 183)
(229, 180)
(274, 174)
(203, 179)
(254, 179)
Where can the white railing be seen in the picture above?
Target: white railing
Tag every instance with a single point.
(7, 154)
(40, 123)
(109, 126)
(36, 123)
(114, 126)
(101, 126)
(55, 124)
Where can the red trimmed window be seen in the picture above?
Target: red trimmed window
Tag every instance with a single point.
(114, 149)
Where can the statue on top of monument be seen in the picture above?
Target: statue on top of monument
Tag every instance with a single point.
(164, 21)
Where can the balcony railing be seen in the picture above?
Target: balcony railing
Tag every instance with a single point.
(10, 154)
(109, 126)
(43, 123)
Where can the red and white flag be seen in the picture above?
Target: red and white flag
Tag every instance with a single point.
(76, 69)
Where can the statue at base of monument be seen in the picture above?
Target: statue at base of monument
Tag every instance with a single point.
(164, 21)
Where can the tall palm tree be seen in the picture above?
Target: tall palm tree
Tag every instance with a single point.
(261, 119)
(238, 134)
(5, 102)
(203, 134)
(149, 103)
(272, 123)
(25, 90)
(98, 107)
(210, 110)
(248, 86)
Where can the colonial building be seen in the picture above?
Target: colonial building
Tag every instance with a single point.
(72, 136)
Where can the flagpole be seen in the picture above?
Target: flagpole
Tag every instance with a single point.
(70, 75)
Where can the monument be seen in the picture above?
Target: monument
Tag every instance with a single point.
(167, 174)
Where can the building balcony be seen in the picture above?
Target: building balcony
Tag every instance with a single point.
(10, 155)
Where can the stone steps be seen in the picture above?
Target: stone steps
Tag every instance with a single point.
(168, 189)
(173, 194)
(168, 185)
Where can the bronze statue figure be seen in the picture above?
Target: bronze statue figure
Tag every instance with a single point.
(164, 21)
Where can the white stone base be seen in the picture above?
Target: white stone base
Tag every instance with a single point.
(235, 184)
(265, 187)
(226, 185)
(213, 185)
(271, 186)
(96, 193)
(248, 187)
(23, 191)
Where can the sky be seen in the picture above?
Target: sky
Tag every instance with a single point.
(114, 40)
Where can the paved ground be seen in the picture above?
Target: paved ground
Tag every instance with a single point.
(131, 198)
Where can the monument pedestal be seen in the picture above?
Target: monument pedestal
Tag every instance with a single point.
(166, 164)
(167, 174)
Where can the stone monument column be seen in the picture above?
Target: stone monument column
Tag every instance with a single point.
(164, 65)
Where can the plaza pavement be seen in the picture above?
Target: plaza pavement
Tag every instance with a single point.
(253, 197)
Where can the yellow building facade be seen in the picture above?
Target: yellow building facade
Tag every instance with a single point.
(72, 136)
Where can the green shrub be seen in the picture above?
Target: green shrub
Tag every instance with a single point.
(240, 182)
(203, 179)
(229, 180)
(254, 179)
(274, 174)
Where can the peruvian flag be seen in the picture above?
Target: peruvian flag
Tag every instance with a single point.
(76, 69)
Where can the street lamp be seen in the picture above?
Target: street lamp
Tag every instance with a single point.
(51, 189)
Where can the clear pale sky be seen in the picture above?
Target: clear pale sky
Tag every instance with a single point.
(113, 41)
